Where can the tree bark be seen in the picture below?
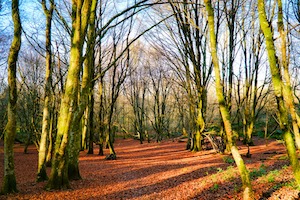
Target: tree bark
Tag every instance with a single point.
(9, 180)
(287, 94)
(42, 174)
(75, 135)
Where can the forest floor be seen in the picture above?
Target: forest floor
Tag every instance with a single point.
(162, 171)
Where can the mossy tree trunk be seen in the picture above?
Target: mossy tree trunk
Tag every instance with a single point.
(9, 184)
(69, 105)
(42, 174)
(278, 86)
(51, 133)
(75, 135)
(84, 128)
(248, 193)
(288, 94)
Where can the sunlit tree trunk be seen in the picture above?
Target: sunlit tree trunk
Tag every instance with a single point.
(288, 94)
(84, 129)
(59, 170)
(248, 193)
(278, 90)
(75, 134)
(9, 184)
(42, 174)
(51, 136)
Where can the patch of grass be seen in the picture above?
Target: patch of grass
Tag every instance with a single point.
(275, 172)
(214, 178)
(271, 179)
(285, 167)
(214, 188)
(229, 167)
(229, 173)
(258, 172)
(292, 184)
(219, 169)
(271, 176)
(228, 160)
(236, 188)
(283, 158)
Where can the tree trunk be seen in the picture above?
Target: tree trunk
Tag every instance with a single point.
(248, 193)
(287, 94)
(42, 174)
(91, 123)
(101, 119)
(200, 125)
(278, 86)
(75, 135)
(50, 138)
(9, 184)
(85, 128)
(59, 172)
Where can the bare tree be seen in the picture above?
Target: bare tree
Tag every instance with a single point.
(9, 180)
(248, 193)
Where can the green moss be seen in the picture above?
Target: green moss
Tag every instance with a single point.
(258, 172)
(215, 187)
(228, 160)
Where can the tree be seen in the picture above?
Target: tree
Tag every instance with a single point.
(160, 91)
(191, 42)
(75, 134)
(42, 174)
(29, 97)
(251, 97)
(136, 93)
(284, 63)
(278, 86)
(117, 76)
(59, 169)
(9, 181)
(248, 193)
(89, 72)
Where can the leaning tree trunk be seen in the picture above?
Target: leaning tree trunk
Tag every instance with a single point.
(9, 180)
(288, 94)
(59, 169)
(278, 90)
(248, 193)
(42, 174)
